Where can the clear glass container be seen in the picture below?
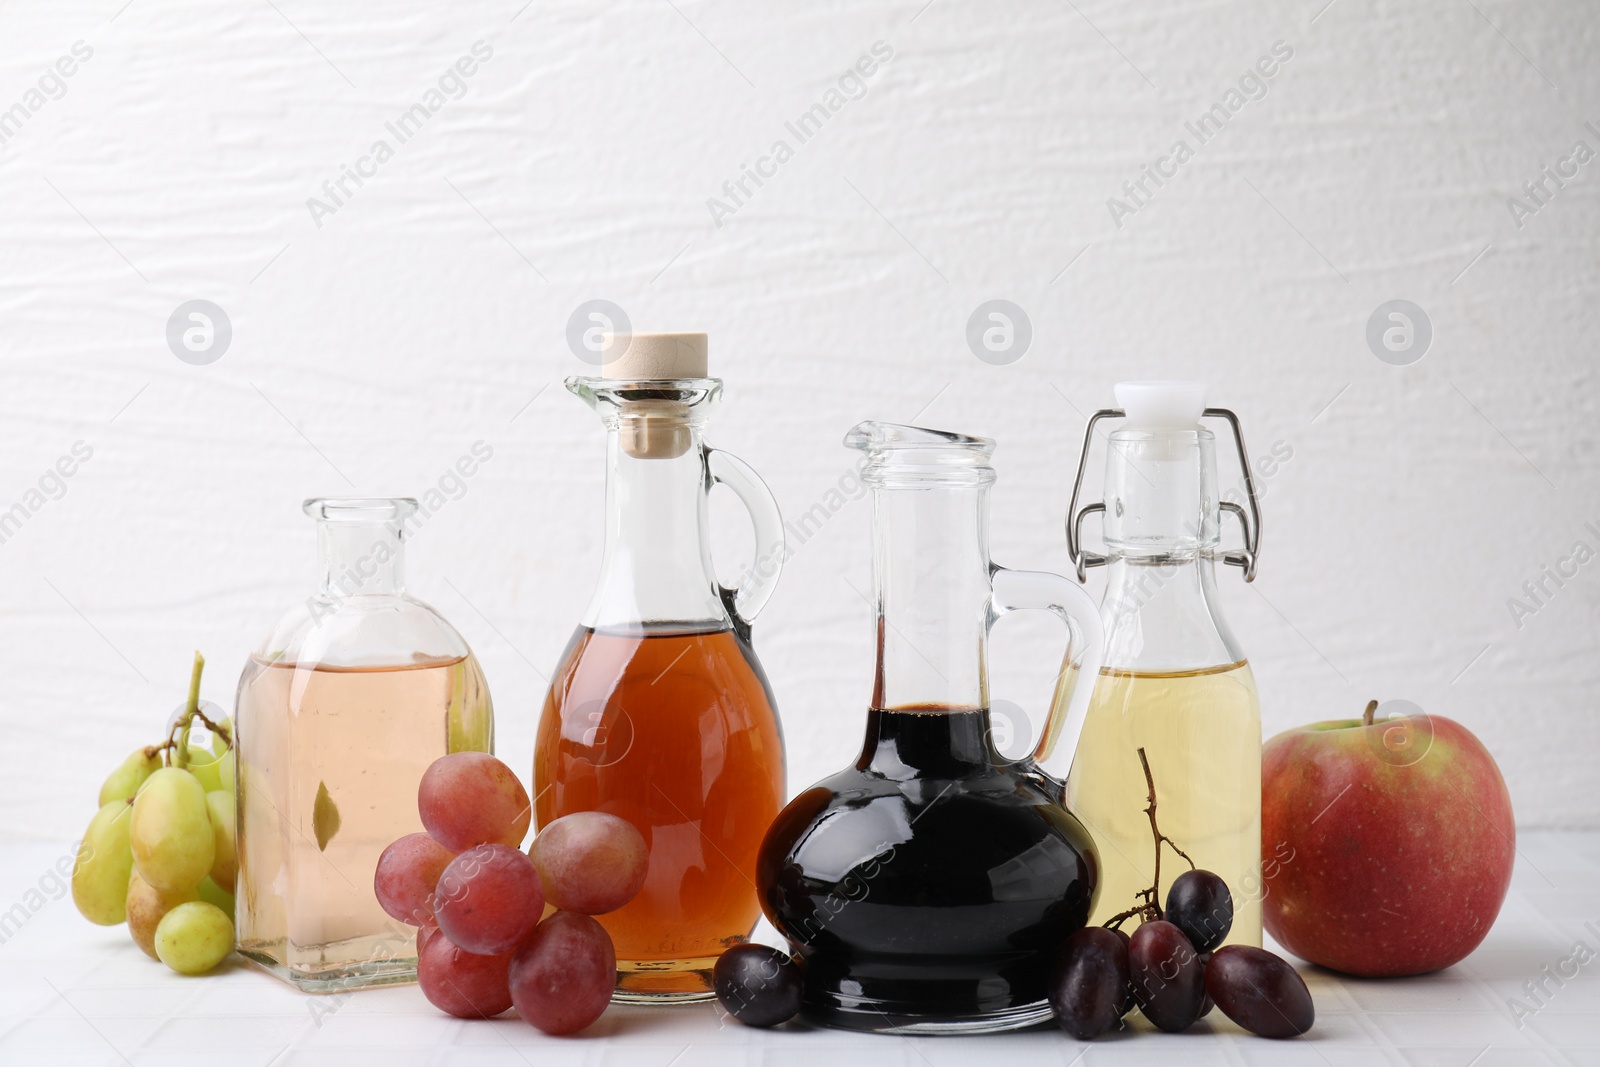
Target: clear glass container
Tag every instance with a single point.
(339, 711)
(1175, 681)
(928, 886)
(659, 712)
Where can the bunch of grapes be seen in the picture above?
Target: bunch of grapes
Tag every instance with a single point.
(161, 853)
(1172, 969)
(479, 903)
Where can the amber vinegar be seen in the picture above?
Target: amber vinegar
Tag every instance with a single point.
(1201, 732)
(674, 730)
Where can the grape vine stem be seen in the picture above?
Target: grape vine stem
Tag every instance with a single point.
(176, 746)
(1149, 907)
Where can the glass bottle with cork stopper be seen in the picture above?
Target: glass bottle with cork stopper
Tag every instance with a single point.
(659, 712)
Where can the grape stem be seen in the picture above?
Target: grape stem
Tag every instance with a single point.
(177, 744)
(1149, 907)
(215, 727)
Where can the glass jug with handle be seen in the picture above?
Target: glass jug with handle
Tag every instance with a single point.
(659, 712)
(928, 886)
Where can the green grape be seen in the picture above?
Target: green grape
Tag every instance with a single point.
(147, 906)
(171, 835)
(206, 766)
(194, 937)
(124, 782)
(228, 767)
(225, 858)
(219, 746)
(212, 893)
(105, 862)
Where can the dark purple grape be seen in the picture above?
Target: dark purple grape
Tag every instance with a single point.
(1089, 982)
(1127, 991)
(1260, 991)
(758, 985)
(1200, 905)
(1168, 980)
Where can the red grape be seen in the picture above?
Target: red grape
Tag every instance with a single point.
(471, 798)
(1200, 905)
(488, 900)
(461, 983)
(407, 872)
(758, 985)
(1089, 982)
(423, 933)
(1260, 991)
(562, 976)
(1168, 980)
(590, 861)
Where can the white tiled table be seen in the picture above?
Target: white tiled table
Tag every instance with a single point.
(71, 993)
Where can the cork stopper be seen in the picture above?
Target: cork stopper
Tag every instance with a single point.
(637, 357)
(653, 429)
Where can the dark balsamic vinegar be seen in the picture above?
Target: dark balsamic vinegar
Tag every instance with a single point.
(931, 882)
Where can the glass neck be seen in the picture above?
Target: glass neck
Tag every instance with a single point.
(1162, 530)
(360, 558)
(906, 743)
(1162, 617)
(656, 565)
(931, 570)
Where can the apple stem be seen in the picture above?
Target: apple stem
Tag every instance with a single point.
(1366, 716)
(1149, 906)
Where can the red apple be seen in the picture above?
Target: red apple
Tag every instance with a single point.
(1388, 844)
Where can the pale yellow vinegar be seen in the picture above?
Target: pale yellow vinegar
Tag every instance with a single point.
(1201, 731)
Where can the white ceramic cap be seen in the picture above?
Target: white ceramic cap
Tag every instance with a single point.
(652, 356)
(1161, 405)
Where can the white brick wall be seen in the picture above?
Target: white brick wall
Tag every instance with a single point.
(425, 312)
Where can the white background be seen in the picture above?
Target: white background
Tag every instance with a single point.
(429, 311)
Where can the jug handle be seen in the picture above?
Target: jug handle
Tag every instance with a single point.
(1080, 665)
(745, 602)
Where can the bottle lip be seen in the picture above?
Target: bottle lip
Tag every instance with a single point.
(873, 437)
(1135, 434)
(607, 395)
(360, 509)
(900, 456)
